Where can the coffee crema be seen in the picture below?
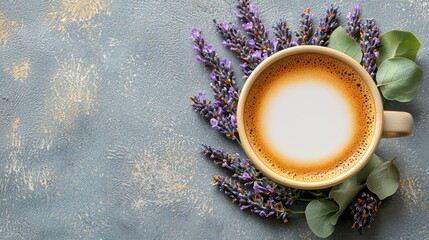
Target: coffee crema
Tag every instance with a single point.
(309, 117)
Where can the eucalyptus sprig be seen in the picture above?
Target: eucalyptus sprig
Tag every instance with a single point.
(378, 176)
(388, 58)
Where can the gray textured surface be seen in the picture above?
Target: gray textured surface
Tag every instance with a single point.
(98, 139)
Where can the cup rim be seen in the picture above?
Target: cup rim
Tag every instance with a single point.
(327, 182)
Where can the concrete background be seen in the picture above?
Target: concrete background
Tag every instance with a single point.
(98, 139)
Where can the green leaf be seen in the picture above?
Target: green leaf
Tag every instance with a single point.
(342, 42)
(344, 194)
(363, 174)
(318, 214)
(398, 44)
(399, 79)
(384, 180)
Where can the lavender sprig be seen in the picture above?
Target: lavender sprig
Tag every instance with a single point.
(264, 207)
(202, 105)
(246, 172)
(243, 169)
(364, 210)
(243, 47)
(305, 31)
(354, 23)
(326, 26)
(226, 93)
(226, 125)
(370, 43)
(252, 24)
(283, 35)
(222, 75)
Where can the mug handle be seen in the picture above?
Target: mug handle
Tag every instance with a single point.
(396, 124)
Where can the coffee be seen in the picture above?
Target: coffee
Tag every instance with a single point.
(309, 117)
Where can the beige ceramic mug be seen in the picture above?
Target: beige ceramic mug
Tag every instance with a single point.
(347, 121)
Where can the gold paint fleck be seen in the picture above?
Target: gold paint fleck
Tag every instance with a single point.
(19, 70)
(113, 42)
(80, 13)
(15, 138)
(412, 192)
(6, 28)
(20, 173)
(73, 90)
(44, 177)
(160, 181)
(138, 203)
(160, 175)
(45, 140)
(130, 72)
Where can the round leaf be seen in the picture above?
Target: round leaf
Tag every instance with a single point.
(342, 42)
(343, 195)
(373, 163)
(398, 44)
(318, 214)
(384, 180)
(399, 79)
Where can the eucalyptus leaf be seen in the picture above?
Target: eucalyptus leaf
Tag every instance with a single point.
(384, 180)
(344, 194)
(342, 42)
(398, 43)
(318, 214)
(399, 79)
(373, 163)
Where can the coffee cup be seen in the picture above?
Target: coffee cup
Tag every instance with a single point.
(310, 117)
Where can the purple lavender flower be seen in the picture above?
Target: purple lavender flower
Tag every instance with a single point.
(241, 168)
(364, 210)
(259, 189)
(239, 44)
(354, 23)
(263, 206)
(246, 172)
(214, 123)
(225, 90)
(246, 177)
(283, 36)
(252, 24)
(370, 43)
(326, 26)
(305, 31)
(222, 73)
(226, 125)
(202, 106)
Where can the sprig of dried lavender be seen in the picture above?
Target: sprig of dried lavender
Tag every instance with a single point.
(364, 210)
(283, 35)
(225, 123)
(370, 43)
(264, 207)
(202, 105)
(326, 26)
(246, 172)
(222, 75)
(226, 92)
(252, 24)
(305, 26)
(354, 22)
(243, 169)
(236, 42)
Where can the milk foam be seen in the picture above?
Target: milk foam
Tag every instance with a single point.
(309, 117)
(308, 121)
